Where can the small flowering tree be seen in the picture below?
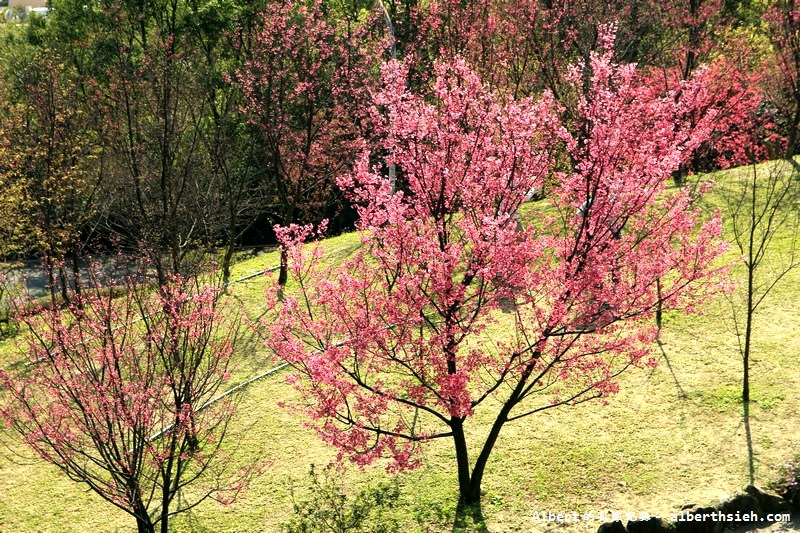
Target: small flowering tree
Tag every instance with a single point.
(114, 395)
(405, 342)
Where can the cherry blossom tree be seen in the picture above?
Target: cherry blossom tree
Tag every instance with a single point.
(400, 344)
(526, 47)
(115, 395)
(305, 91)
(732, 100)
(783, 18)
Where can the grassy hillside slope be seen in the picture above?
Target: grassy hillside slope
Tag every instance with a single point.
(663, 441)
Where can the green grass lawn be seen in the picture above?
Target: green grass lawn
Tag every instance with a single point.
(650, 449)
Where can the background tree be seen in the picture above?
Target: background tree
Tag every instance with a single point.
(234, 197)
(51, 171)
(524, 48)
(783, 20)
(152, 74)
(392, 348)
(115, 390)
(759, 205)
(305, 87)
(151, 93)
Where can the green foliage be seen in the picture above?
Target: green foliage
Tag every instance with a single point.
(432, 517)
(727, 398)
(744, 12)
(48, 176)
(330, 509)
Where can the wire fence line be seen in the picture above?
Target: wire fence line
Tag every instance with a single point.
(149, 315)
(212, 401)
(250, 276)
(234, 389)
(245, 384)
(154, 313)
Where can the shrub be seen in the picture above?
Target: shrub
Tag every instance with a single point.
(330, 509)
(788, 483)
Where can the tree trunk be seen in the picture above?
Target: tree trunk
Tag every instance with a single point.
(76, 276)
(469, 481)
(748, 332)
(284, 272)
(143, 522)
(62, 275)
(467, 495)
(51, 279)
(226, 259)
(678, 178)
(76, 272)
(791, 145)
(746, 352)
(483, 458)
(468, 511)
(144, 526)
(694, 40)
(288, 219)
(749, 438)
(165, 501)
(751, 272)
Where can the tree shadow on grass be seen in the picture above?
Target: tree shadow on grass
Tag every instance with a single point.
(749, 439)
(469, 519)
(665, 357)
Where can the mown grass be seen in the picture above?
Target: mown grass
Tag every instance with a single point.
(663, 441)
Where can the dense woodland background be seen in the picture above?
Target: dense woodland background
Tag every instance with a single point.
(180, 127)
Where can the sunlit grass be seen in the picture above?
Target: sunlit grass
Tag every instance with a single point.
(650, 449)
